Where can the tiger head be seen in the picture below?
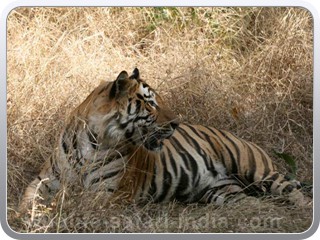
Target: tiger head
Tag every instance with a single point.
(127, 111)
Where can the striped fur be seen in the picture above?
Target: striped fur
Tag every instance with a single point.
(124, 140)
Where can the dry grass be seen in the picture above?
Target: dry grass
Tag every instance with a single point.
(248, 70)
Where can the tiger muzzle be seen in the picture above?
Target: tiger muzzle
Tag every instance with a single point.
(154, 141)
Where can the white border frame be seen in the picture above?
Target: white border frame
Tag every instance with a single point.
(177, 3)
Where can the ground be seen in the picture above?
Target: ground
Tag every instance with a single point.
(246, 70)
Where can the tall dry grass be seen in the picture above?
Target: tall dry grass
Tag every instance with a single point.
(247, 70)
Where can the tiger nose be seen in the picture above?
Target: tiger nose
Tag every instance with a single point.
(174, 124)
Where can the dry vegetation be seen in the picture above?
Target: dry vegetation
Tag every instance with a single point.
(248, 70)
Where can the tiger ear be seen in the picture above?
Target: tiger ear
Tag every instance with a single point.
(135, 74)
(122, 76)
(119, 85)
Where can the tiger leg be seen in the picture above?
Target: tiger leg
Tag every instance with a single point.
(40, 189)
(225, 191)
(277, 184)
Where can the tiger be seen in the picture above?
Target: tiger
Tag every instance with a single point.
(125, 140)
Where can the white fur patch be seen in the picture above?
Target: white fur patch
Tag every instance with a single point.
(148, 94)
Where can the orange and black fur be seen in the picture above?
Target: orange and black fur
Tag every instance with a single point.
(124, 140)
